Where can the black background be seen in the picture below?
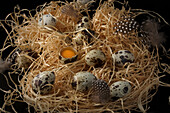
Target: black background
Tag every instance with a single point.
(159, 103)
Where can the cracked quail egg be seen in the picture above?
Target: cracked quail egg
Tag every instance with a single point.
(120, 89)
(43, 82)
(48, 20)
(68, 55)
(123, 56)
(82, 81)
(95, 58)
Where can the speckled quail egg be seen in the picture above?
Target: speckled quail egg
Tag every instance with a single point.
(100, 91)
(23, 58)
(48, 20)
(123, 56)
(89, 36)
(14, 55)
(79, 38)
(43, 82)
(95, 58)
(23, 61)
(120, 89)
(83, 23)
(82, 81)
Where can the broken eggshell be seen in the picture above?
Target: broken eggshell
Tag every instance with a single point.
(123, 56)
(82, 81)
(43, 82)
(68, 55)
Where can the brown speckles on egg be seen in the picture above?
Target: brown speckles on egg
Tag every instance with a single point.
(43, 82)
(23, 61)
(100, 92)
(83, 23)
(126, 51)
(125, 89)
(95, 58)
(47, 19)
(89, 35)
(86, 20)
(82, 81)
(120, 89)
(123, 56)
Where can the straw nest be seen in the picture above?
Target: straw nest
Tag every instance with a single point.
(27, 35)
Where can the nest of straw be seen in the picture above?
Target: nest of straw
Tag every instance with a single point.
(27, 35)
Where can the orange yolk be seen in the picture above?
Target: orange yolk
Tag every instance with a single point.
(68, 53)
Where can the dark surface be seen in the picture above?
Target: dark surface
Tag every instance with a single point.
(159, 103)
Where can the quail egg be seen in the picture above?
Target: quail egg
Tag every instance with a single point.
(23, 58)
(48, 20)
(79, 38)
(100, 91)
(43, 82)
(123, 56)
(89, 35)
(120, 89)
(82, 81)
(95, 58)
(14, 55)
(83, 23)
(23, 61)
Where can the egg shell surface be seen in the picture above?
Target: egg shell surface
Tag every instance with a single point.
(79, 38)
(43, 82)
(47, 19)
(95, 58)
(23, 61)
(123, 56)
(83, 23)
(82, 81)
(120, 89)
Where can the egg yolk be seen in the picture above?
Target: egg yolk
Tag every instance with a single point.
(68, 53)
